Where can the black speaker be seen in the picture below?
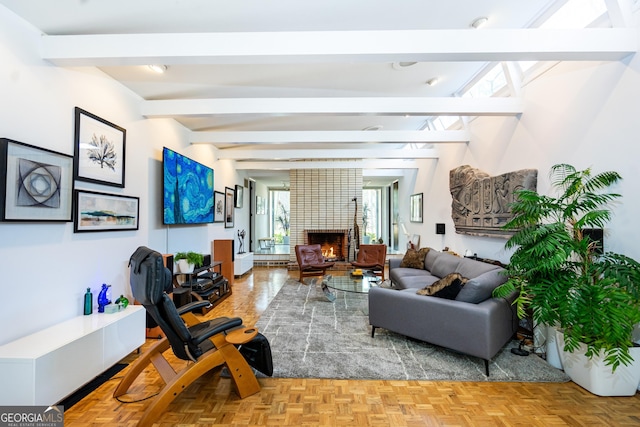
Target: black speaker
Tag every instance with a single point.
(595, 235)
(168, 261)
(181, 296)
(439, 228)
(207, 260)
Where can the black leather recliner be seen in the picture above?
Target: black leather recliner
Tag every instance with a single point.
(208, 344)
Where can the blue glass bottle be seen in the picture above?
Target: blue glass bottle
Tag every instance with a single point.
(88, 302)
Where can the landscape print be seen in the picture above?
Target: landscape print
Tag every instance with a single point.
(106, 212)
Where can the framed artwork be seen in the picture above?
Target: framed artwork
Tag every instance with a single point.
(99, 150)
(239, 196)
(218, 206)
(260, 208)
(37, 184)
(229, 205)
(416, 208)
(96, 211)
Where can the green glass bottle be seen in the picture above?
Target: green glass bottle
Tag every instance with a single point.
(88, 302)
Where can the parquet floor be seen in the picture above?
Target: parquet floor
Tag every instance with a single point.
(321, 402)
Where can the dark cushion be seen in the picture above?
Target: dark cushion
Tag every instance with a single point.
(480, 288)
(414, 259)
(448, 287)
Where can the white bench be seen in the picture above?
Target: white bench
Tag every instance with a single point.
(243, 263)
(45, 367)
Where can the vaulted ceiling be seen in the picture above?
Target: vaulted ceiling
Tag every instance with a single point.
(271, 83)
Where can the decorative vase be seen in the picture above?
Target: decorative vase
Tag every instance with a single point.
(593, 375)
(103, 298)
(185, 267)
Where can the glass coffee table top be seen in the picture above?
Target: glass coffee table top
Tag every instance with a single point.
(350, 283)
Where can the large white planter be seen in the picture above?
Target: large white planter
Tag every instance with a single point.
(596, 377)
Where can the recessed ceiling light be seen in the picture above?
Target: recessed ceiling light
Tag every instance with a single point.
(433, 81)
(479, 22)
(158, 68)
(402, 65)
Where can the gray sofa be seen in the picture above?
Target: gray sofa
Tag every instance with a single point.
(473, 323)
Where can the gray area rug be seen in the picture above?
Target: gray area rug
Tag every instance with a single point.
(311, 337)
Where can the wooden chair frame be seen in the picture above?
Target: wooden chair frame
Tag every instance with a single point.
(208, 344)
(224, 353)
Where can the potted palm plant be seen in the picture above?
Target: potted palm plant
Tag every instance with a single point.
(187, 261)
(593, 298)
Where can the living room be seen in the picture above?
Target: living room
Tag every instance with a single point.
(581, 112)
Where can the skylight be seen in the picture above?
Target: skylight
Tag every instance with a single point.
(490, 83)
(576, 14)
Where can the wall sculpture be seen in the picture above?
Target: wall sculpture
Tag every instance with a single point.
(481, 203)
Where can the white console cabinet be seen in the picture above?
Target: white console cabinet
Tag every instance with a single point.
(243, 263)
(47, 366)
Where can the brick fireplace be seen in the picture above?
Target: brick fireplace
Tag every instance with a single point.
(321, 199)
(334, 243)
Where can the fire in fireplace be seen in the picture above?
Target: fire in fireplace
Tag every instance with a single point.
(332, 242)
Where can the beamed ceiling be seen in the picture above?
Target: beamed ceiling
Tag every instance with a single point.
(281, 84)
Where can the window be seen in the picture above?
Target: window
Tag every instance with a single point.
(573, 14)
(279, 214)
(489, 84)
(576, 14)
(371, 214)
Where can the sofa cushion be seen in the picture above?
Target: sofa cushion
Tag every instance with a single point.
(447, 287)
(414, 259)
(480, 288)
(432, 255)
(471, 268)
(444, 264)
(413, 281)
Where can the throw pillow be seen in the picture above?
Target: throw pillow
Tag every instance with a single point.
(480, 288)
(448, 287)
(414, 259)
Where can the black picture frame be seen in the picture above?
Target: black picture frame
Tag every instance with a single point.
(218, 206)
(229, 207)
(239, 196)
(37, 183)
(96, 211)
(99, 150)
(416, 208)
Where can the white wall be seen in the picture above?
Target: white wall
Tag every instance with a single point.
(584, 114)
(46, 267)
(261, 221)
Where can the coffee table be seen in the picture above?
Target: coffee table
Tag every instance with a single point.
(356, 284)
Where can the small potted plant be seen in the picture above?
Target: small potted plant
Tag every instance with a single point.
(187, 261)
(592, 297)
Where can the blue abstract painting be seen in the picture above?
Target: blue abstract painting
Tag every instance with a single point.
(188, 190)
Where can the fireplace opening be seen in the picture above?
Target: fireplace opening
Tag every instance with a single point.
(332, 242)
